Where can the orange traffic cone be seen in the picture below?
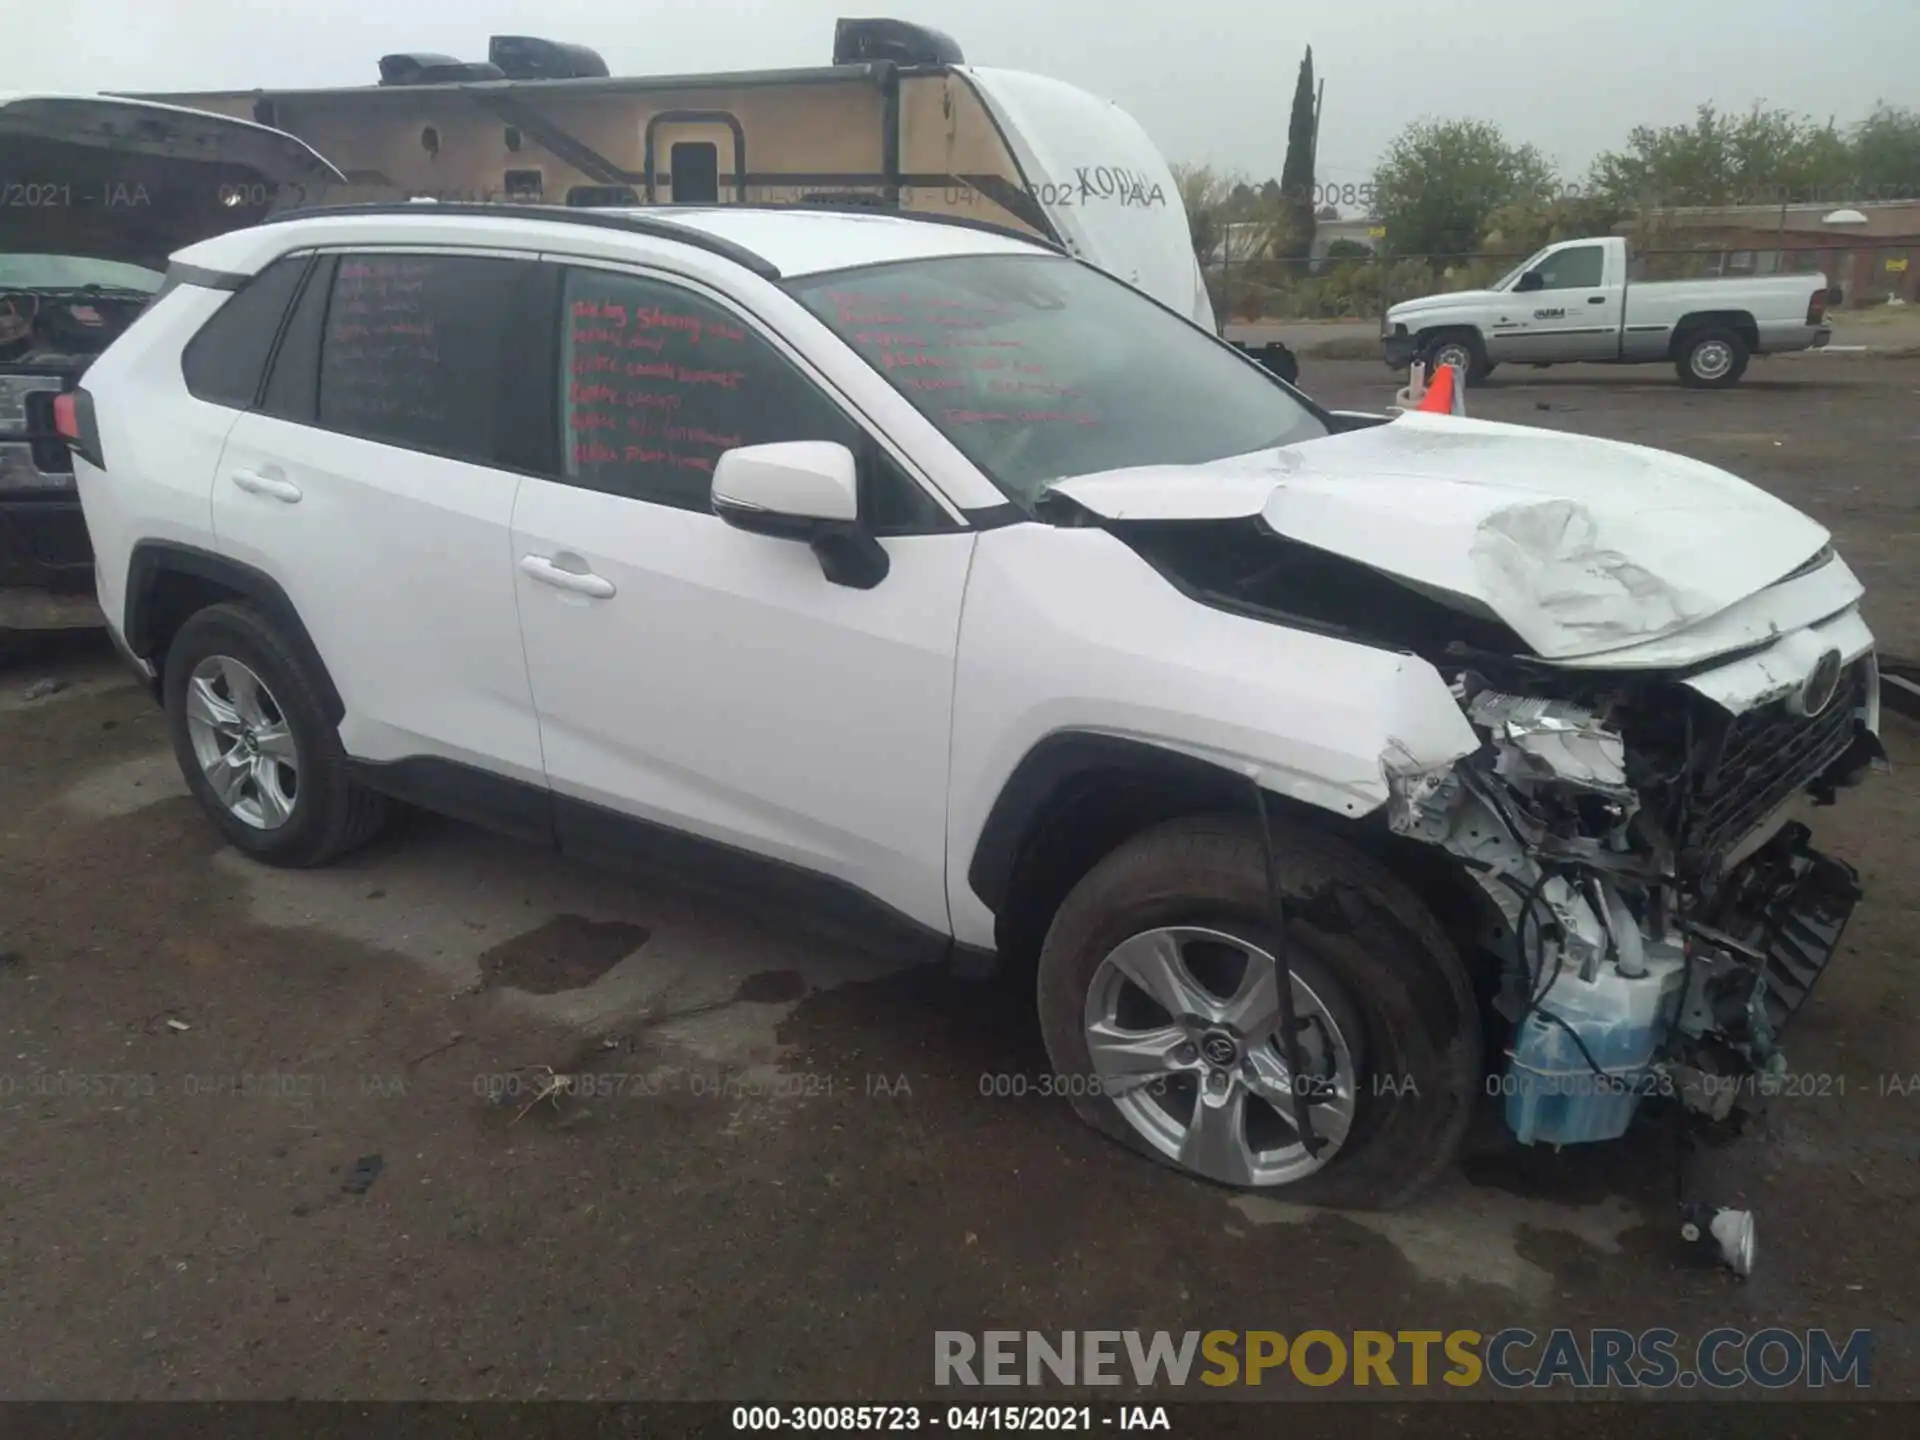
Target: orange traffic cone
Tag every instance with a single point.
(1443, 394)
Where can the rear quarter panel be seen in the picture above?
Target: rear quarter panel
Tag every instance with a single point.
(160, 445)
(1777, 303)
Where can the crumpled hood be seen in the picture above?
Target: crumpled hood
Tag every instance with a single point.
(1579, 545)
(136, 181)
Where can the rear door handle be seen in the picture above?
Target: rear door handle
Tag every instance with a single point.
(254, 483)
(539, 567)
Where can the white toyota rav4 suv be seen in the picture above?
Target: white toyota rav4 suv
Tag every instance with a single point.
(1335, 770)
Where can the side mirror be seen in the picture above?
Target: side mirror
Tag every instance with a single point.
(1532, 280)
(787, 489)
(802, 490)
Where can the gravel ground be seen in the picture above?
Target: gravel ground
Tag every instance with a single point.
(248, 1149)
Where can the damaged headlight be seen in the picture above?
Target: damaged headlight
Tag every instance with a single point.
(1551, 740)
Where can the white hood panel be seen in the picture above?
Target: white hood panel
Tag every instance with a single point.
(1579, 545)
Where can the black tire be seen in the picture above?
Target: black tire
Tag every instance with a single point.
(1695, 348)
(331, 813)
(1468, 340)
(1352, 927)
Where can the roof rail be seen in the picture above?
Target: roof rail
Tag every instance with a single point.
(835, 205)
(631, 224)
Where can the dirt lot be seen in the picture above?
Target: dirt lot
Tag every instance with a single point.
(247, 1148)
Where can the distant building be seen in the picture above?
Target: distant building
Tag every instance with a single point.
(1869, 252)
(1245, 240)
(1367, 230)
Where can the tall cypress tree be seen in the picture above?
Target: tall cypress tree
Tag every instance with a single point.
(1296, 176)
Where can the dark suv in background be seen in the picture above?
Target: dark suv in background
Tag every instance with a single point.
(95, 193)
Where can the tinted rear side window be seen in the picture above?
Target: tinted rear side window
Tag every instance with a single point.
(411, 352)
(225, 363)
(293, 388)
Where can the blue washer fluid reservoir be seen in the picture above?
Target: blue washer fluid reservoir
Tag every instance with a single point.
(1553, 1095)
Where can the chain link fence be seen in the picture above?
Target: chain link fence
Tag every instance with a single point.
(1860, 273)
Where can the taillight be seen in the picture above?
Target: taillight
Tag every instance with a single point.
(1817, 306)
(66, 417)
(73, 421)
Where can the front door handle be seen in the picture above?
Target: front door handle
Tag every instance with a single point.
(1596, 299)
(254, 483)
(539, 567)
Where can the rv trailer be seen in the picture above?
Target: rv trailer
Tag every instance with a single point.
(899, 121)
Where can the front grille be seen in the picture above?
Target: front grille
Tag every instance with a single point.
(49, 448)
(1760, 761)
(33, 456)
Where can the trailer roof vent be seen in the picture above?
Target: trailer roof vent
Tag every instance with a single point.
(858, 41)
(527, 57)
(424, 68)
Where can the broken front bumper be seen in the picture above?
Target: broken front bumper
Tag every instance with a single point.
(1706, 1029)
(1779, 921)
(1662, 913)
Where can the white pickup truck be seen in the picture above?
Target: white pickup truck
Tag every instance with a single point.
(1572, 302)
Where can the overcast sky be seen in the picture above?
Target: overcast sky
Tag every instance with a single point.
(1210, 81)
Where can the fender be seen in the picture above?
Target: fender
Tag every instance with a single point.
(153, 560)
(1739, 321)
(1057, 770)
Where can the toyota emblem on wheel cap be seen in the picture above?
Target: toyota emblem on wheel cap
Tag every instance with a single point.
(1219, 1049)
(1818, 689)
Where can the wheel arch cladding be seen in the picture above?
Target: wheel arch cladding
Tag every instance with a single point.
(167, 583)
(1073, 799)
(1741, 322)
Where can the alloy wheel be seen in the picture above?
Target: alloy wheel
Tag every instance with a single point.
(242, 742)
(1183, 1029)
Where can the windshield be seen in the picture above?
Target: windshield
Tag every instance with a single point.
(1038, 368)
(1517, 271)
(74, 272)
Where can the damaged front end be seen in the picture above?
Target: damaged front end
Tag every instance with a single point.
(1662, 915)
(1652, 710)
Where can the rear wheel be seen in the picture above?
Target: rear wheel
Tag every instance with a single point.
(1160, 1004)
(255, 745)
(1711, 359)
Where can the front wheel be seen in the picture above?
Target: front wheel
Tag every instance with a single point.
(1462, 351)
(1711, 359)
(1159, 1000)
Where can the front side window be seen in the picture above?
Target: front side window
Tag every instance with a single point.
(1512, 277)
(1577, 268)
(1038, 368)
(658, 382)
(412, 349)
